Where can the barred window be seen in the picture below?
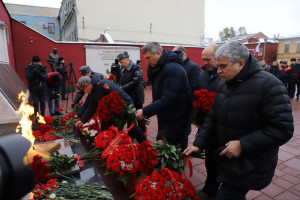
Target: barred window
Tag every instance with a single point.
(51, 28)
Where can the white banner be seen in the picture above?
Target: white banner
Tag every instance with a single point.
(100, 58)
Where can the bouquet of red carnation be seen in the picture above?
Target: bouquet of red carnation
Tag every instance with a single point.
(49, 120)
(166, 184)
(40, 168)
(202, 105)
(45, 135)
(123, 161)
(147, 157)
(91, 128)
(45, 191)
(112, 107)
(112, 77)
(104, 137)
(69, 120)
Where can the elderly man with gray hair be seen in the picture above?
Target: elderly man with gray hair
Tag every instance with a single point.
(245, 122)
(96, 92)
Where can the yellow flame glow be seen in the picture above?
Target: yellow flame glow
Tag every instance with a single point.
(25, 124)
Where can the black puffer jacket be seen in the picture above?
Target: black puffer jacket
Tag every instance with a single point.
(208, 79)
(131, 82)
(171, 97)
(253, 107)
(37, 77)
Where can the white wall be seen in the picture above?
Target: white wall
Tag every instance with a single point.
(173, 21)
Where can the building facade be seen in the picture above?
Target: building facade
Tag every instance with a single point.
(137, 21)
(42, 19)
(263, 49)
(289, 47)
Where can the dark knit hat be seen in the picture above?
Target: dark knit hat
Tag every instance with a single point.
(123, 55)
(36, 59)
(293, 59)
(84, 70)
(60, 59)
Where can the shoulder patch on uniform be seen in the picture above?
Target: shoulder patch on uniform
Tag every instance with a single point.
(106, 86)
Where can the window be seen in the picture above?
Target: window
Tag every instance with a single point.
(51, 28)
(286, 47)
(3, 43)
(260, 52)
(298, 47)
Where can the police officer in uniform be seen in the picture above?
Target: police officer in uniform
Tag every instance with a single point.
(131, 81)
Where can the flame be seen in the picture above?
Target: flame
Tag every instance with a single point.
(25, 124)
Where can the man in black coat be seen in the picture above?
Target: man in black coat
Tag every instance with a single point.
(296, 76)
(274, 69)
(192, 69)
(115, 69)
(62, 69)
(209, 79)
(245, 122)
(96, 92)
(37, 76)
(131, 81)
(171, 95)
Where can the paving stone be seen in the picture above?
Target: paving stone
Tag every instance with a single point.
(252, 194)
(282, 183)
(272, 190)
(286, 195)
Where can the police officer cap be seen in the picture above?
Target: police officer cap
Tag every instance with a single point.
(36, 59)
(284, 62)
(123, 55)
(84, 70)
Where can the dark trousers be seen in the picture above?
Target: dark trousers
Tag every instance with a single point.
(298, 89)
(229, 192)
(141, 124)
(39, 99)
(291, 89)
(63, 84)
(211, 185)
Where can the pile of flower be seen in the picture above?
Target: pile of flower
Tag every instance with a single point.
(53, 129)
(165, 184)
(104, 137)
(40, 168)
(202, 105)
(69, 120)
(91, 128)
(53, 189)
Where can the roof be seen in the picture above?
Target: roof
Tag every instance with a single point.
(292, 36)
(239, 38)
(17, 9)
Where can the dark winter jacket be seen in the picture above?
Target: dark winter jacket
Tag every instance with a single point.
(62, 69)
(131, 82)
(98, 92)
(37, 77)
(171, 97)
(80, 93)
(274, 70)
(253, 107)
(208, 79)
(95, 77)
(115, 69)
(193, 71)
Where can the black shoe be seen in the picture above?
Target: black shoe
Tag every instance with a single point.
(52, 114)
(58, 113)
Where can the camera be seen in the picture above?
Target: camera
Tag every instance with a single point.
(16, 179)
(54, 95)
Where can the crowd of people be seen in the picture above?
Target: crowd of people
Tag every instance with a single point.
(242, 132)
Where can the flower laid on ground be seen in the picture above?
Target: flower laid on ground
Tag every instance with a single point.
(165, 184)
(64, 190)
(113, 108)
(40, 168)
(147, 157)
(91, 128)
(202, 105)
(69, 120)
(53, 129)
(104, 137)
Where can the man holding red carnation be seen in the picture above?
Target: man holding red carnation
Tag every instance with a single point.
(245, 122)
